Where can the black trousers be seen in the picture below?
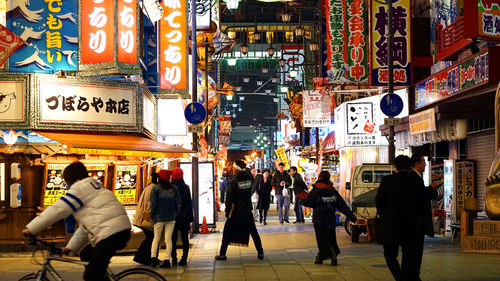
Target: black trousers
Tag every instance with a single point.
(180, 226)
(411, 260)
(100, 255)
(247, 220)
(263, 212)
(327, 243)
(143, 254)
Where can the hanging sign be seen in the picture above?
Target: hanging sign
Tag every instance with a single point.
(401, 44)
(317, 108)
(347, 28)
(173, 46)
(281, 154)
(9, 42)
(489, 18)
(50, 30)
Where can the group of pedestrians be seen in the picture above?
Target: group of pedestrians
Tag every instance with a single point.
(165, 206)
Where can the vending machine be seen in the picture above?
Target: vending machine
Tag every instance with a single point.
(459, 186)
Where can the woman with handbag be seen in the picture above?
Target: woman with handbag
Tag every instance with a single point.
(142, 220)
(325, 200)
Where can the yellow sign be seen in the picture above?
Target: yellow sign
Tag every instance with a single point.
(51, 196)
(281, 154)
(125, 196)
(137, 153)
(422, 122)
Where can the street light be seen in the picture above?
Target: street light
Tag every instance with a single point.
(286, 16)
(294, 73)
(256, 36)
(271, 50)
(282, 62)
(231, 62)
(244, 48)
(313, 46)
(246, 79)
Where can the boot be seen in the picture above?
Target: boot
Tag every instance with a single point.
(174, 261)
(318, 260)
(334, 261)
(165, 264)
(183, 261)
(155, 262)
(221, 257)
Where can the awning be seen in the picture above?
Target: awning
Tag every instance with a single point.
(118, 145)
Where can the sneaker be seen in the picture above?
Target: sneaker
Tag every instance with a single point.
(183, 262)
(165, 264)
(260, 256)
(221, 257)
(174, 261)
(155, 262)
(334, 261)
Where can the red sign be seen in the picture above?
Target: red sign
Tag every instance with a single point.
(9, 42)
(97, 32)
(127, 31)
(173, 47)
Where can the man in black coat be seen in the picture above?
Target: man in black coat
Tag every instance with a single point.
(395, 215)
(298, 186)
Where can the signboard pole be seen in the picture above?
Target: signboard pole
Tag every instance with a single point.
(390, 83)
(194, 89)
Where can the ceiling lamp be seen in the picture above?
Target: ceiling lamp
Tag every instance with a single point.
(238, 89)
(256, 36)
(294, 73)
(231, 61)
(232, 4)
(275, 80)
(271, 51)
(286, 16)
(246, 79)
(244, 48)
(259, 83)
(313, 46)
(299, 31)
(282, 62)
(265, 70)
(234, 115)
(229, 97)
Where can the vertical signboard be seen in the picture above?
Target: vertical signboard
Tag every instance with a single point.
(54, 186)
(127, 31)
(126, 183)
(317, 108)
(464, 189)
(401, 48)
(347, 26)
(97, 34)
(50, 30)
(489, 18)
(173, 46)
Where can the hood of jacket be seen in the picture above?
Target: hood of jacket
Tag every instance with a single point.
(243, 175)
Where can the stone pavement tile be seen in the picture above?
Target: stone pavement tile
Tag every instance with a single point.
(325, 276)
(198, 276)
(260, 274)
(229, 274)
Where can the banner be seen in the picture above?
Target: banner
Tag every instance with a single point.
(222, 154)
(50, 30)
(317, 108)
(9, 42)
(347, 29)
(281, 155)
(401, 42)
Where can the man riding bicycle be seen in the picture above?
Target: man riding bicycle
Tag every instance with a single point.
(102, 219)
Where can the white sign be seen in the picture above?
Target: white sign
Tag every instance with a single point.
(206, 195)
(317, 108)
(169, 110)
(63, 102)
(152, 9)
(149, 112)
(357, 122)
(11, 101)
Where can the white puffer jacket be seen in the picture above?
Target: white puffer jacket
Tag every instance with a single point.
(94, 207)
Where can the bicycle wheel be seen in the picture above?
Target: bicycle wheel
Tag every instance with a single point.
(138, 274)
(32, 276)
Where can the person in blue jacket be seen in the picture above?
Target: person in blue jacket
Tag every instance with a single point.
(325, 200)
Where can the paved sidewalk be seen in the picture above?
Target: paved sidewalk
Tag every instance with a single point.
(289, 255)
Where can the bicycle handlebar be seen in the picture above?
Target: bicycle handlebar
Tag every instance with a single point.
(50, 246)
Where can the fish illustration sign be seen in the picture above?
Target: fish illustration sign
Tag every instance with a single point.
(50, 30)
(11, 101)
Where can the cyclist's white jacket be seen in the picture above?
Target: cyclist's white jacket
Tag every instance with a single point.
(94, 207)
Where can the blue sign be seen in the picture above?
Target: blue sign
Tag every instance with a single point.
(195, 113)
(391, 105)
(50, 31)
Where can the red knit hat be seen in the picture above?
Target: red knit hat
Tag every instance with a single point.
(165, 174)
(177, 174)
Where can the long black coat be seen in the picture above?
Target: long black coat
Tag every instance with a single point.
(264, 191)
(425, 195)
(185, 215)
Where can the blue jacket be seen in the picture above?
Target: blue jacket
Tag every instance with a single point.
(165, 202)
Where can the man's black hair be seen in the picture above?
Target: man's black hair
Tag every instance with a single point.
(415, 158)
(281, 164)
(402, 163)
(293, 168)
(74, 172)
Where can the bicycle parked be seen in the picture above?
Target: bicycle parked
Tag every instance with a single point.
(54, 253)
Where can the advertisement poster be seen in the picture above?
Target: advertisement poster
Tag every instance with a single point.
(317, 108)
(9, 42)
(206, 196)
(282, 158)
(488, 18)
(12, 101)
(449, 182)
(97, 172)
(126, 184)
(50, 30)
(55, 186)
(437, 175)
(465, 187)
(401, 44)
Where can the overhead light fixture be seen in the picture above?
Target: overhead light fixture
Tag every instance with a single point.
(282, 62)
(294, 73)
(254, 141)
(239, 109)
(228, 112)
(268, 91)
(229, 97)
(246, 79)
(299, 31)
(286, 16)
(284, 89)
(242, 98)
(265, 70)
(231, 62)
(271, 51)
(276, 99)
(275, 80)
(234, 115)
(313, 46)
(232, 4)
(259, 83)
(244, 49)
(256, 36)
(255, 130)
(235, 105)
(238, 89)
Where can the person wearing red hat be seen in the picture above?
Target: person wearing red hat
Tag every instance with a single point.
(165, 205)
(184, 217)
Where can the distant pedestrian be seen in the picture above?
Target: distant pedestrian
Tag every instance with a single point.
(325, 200)
(255, 196)
(299, 186)
(240, 224)
(165, 205)
(184, 217)
(142, 220)
(263, 188)
(281, 182)
(223, 187)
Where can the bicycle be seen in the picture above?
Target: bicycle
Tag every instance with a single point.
(48, 272)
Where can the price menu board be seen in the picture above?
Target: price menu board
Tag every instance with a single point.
(125, 183)
(98, 172)
(54, 186)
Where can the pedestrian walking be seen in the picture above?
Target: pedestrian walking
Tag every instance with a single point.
(239, 224)
(263, 188)
(255, 196)
(223, 187)
(395, 223)
(102, 219)
(142, 220)
(325, 200)
(299, 186)
(281, 182)
(184, 217)
(165, 205)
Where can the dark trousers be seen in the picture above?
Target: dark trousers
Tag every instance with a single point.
(248, 221)
(299, 211)
(100, 255)
(327, 243)
(143, 254)
(263, 214)
(185, 240)
(412, 250)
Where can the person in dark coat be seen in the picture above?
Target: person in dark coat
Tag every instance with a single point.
(423, 209)
(395, 219)
(298, 186)
(240, 223)
(263, 187)
(184, 218)
(325, 200)
(281, 182)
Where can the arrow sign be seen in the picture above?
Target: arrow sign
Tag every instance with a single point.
(195, 113)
